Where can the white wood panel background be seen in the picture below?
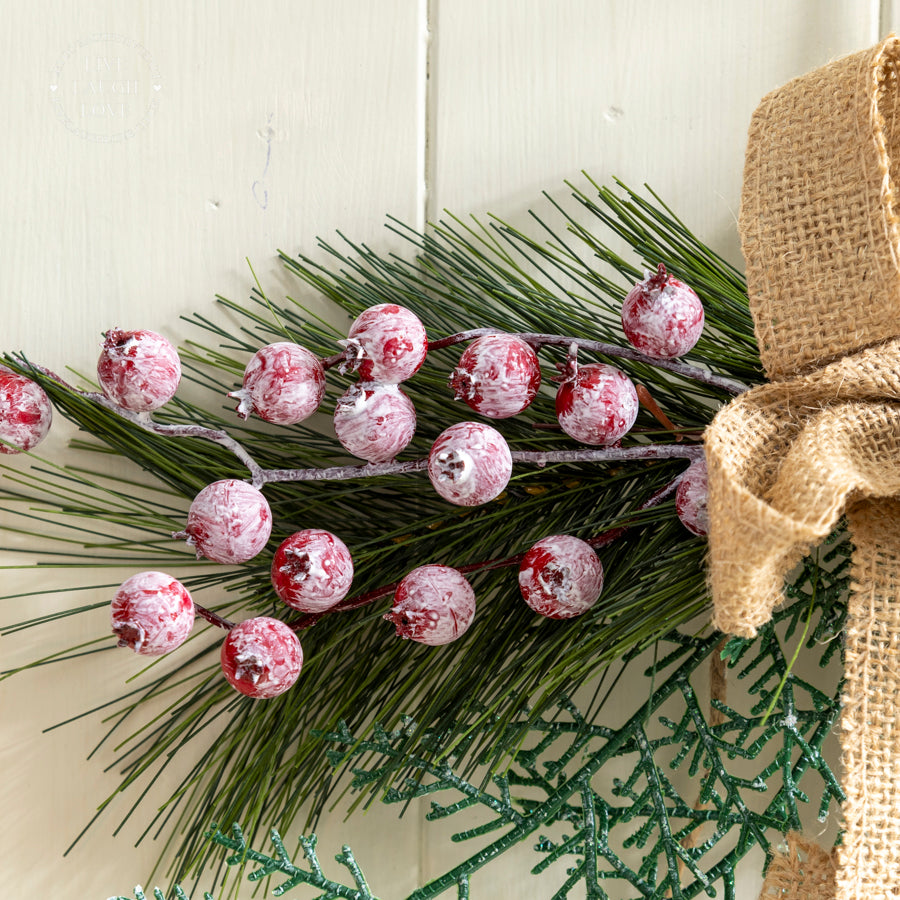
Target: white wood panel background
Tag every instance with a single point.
(259, 128)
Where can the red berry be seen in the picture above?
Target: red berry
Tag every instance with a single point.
(560, 577)
(312, 570)
(662, 317)
(229, 522)
(283, 383)
(433, 605)
(152, 613)
(691, 498)
(597, 404)
(374, 421)
(469, 464)
(498, 375)
(25, 412)
(138, 370)
(386, 343)
(261, 657)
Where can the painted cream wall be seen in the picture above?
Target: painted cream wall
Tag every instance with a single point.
(254, 127)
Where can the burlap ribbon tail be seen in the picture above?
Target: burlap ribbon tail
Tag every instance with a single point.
(788, 459)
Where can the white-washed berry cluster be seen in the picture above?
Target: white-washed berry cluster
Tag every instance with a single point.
(374, 419)
(469, 464)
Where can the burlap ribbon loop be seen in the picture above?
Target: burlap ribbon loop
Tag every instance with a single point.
(787, 459)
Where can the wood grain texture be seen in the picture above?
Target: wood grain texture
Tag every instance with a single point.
(272, 125)
(530, 93)
(277, 123)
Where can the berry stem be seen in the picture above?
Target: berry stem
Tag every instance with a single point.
(261, 476)
(607, 537)
(604, 349)
(539, 458)
(341, 473)
(462, 336)
(212, 617)
(609, 454)
(143, 420)
(604, 539)
(329, 362)
(658, 281)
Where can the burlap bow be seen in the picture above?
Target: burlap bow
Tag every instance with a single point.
(819, 226)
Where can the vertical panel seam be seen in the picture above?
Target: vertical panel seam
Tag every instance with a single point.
(424, 174)
(425, 113)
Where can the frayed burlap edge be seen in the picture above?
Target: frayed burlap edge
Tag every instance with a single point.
(803, 872)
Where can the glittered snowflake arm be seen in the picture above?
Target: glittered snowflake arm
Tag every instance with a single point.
(177, 894)
(281, 864)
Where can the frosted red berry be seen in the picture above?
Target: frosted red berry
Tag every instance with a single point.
(597, 404)
(138, 370)
(469, 463)
(152, 613)
(261, 657)
(25, 412)
(283, 383)
(386, 343)
(312, 570)
(229, 522)
(498, 375)
(374, 421)
(560, 577)
(433, 605)
(662, 317)
(691, 499)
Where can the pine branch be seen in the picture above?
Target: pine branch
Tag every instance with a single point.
(462, 274)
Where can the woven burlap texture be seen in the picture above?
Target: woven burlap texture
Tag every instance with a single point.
(787, 459)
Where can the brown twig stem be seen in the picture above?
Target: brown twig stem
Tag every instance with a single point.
(604, 539)
(609, 454)
(143, 420)
(212, 617)
(538, 458)
(538, 340)
(341, 473)
(260, 476)
(649, 403)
